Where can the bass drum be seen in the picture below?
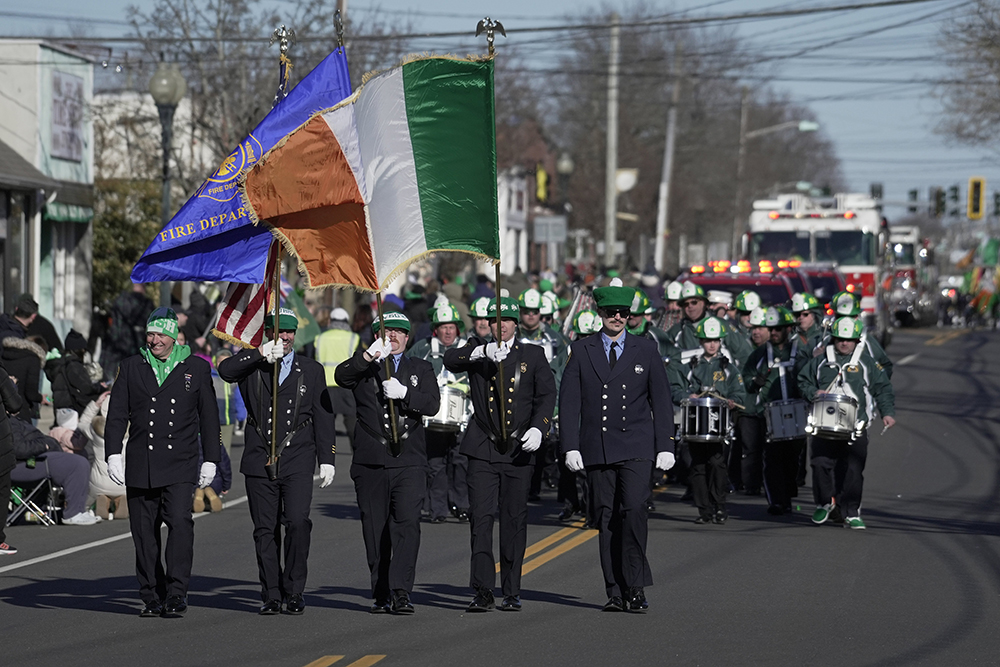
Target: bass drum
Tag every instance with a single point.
(833, 416)
(704, 420)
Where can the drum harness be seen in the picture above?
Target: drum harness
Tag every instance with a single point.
(837, 385)
(445, 377)
(782, 365)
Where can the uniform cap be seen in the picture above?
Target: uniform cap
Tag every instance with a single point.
(719, 296)
(393, 320)
(163, 320)
(692, 291)
(530, 298)
(846, 304)
(615, 295)
(287, 320)
(586, 322)
(803, 301)
(848, 328)
(673, 291)
(509, 308)
(747, 301)
(339, 315)
(710, 328)
(778, 316)
(757, 317)
(480, 308)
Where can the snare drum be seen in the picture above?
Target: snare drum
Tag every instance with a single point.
(833, 416)
(704, 420)
(786, 420)
(453, 415)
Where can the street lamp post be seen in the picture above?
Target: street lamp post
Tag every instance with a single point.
(167, 88)
(800, 125)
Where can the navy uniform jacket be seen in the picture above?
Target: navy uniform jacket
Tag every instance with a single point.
(373, 430)
(525, 369)
(165, 423)
(616, 415)
(314, 440)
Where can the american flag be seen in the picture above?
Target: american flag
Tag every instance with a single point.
(241, 319)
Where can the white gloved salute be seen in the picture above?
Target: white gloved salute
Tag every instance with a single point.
(531, 440)
(574, 461)
(326, 473)
(207, 474)
(116, 469)
(665, 461)
(380, 349)
(394, 389)
(273, 350)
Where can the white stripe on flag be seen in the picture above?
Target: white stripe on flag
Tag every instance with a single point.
(345, 128)
(397, 227)
(244, 306)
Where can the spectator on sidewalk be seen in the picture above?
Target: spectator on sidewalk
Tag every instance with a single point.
(25, 312)
(108, 496)
(11, 403)
(72, 386)
(24, 358)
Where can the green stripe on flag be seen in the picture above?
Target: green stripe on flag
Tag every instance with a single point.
(450, 113)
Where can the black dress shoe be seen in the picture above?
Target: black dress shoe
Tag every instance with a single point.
(152, 609)
(175, 606)
(567, 513)
(483, 601)
(463, 515)
(510, 603)
(614, 604)
(636, 601)
(295, 605)
(775, 510)
(703, 519)
(380, 607)
(650, 507)
(720, 516)
(401, 603)
(438, 519)
(270, 608)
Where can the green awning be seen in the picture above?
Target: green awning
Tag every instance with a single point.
(68, 212)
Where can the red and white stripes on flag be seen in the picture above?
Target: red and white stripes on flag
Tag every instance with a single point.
(241, 319)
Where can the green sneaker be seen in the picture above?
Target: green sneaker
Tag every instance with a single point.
(821, 514)
(854, 523)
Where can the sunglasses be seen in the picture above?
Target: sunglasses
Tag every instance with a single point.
(804, 313)
(622, 311)
(689, 302)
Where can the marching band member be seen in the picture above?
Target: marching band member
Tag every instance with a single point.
(306, 433)
(672, 298)
(745, 303)
(806, 308)
(719, 302)
(759, 333)
(480, 320)
(500, 470)
(839, 465)
(447, 467)
(770, 375)
(684, 333)
(711, 373)
(848, 304)
(390, 487)
(617, 418)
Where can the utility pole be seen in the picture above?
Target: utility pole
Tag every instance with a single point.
(611, 167)
(662, 210)
(740, 159)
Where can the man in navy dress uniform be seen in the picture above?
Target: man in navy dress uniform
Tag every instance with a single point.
(164, 397)
(500, 468)
(390, 478)
(617, 419)
(305, 434)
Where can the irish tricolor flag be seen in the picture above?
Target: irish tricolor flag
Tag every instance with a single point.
(404, 167)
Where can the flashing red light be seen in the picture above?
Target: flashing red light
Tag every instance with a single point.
(697, 269)
(795, 264)
(783, 264)
(767, 269)
(743, 262)
(851, 288)
(829, 311)
(850, 214)
(718, 269)
(724, 263)
(773, 215)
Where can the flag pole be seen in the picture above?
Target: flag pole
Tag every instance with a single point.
(502, 448)
(394, 448)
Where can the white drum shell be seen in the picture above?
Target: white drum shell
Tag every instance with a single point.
(834, 416)
(453, 415)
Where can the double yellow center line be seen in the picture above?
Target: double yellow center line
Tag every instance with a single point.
(560, 549)
(943, 338)
(328, 660)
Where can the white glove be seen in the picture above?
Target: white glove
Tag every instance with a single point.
(665, 461)
(380, 349)
(116, 469)
(207, 474)
(326, 473)
(497, 353)
(532, 440)
(574, 461)
(478, 353)
(394, 389)
(273, 351)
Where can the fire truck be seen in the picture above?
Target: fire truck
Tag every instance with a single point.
(846, 231)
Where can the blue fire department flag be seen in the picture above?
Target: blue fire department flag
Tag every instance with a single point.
(212, 237)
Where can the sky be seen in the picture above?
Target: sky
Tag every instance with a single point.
(868, 85)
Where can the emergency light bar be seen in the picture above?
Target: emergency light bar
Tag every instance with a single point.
(848, 215)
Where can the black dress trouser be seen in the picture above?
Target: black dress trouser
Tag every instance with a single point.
(148, 510)
(282, 503)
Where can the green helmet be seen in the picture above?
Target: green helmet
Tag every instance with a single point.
(692, 291)
(848, 328)
(803, 301)
(847, 304)
(778, 317)
(711, 328)
(445, 313)
(672, 292)
(641, 304)
(480, 308)
(747, 300)
(530, 299)
(586, 322)
(548, 305)
(757, 317)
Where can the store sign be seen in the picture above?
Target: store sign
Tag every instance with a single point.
(67, 117)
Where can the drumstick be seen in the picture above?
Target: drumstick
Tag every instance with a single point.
(720, 396)
(884, 429)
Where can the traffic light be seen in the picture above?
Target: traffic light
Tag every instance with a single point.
(876, 190)
(996, 204)
(977, 198)
(938, 199)
(913, 194)
(541, 184)
(953, 198)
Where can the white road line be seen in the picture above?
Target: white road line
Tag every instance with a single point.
(98, 543)
(906, 360)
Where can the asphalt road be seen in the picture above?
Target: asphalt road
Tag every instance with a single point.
(920, 586)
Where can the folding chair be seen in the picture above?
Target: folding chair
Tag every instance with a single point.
(40, 498)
